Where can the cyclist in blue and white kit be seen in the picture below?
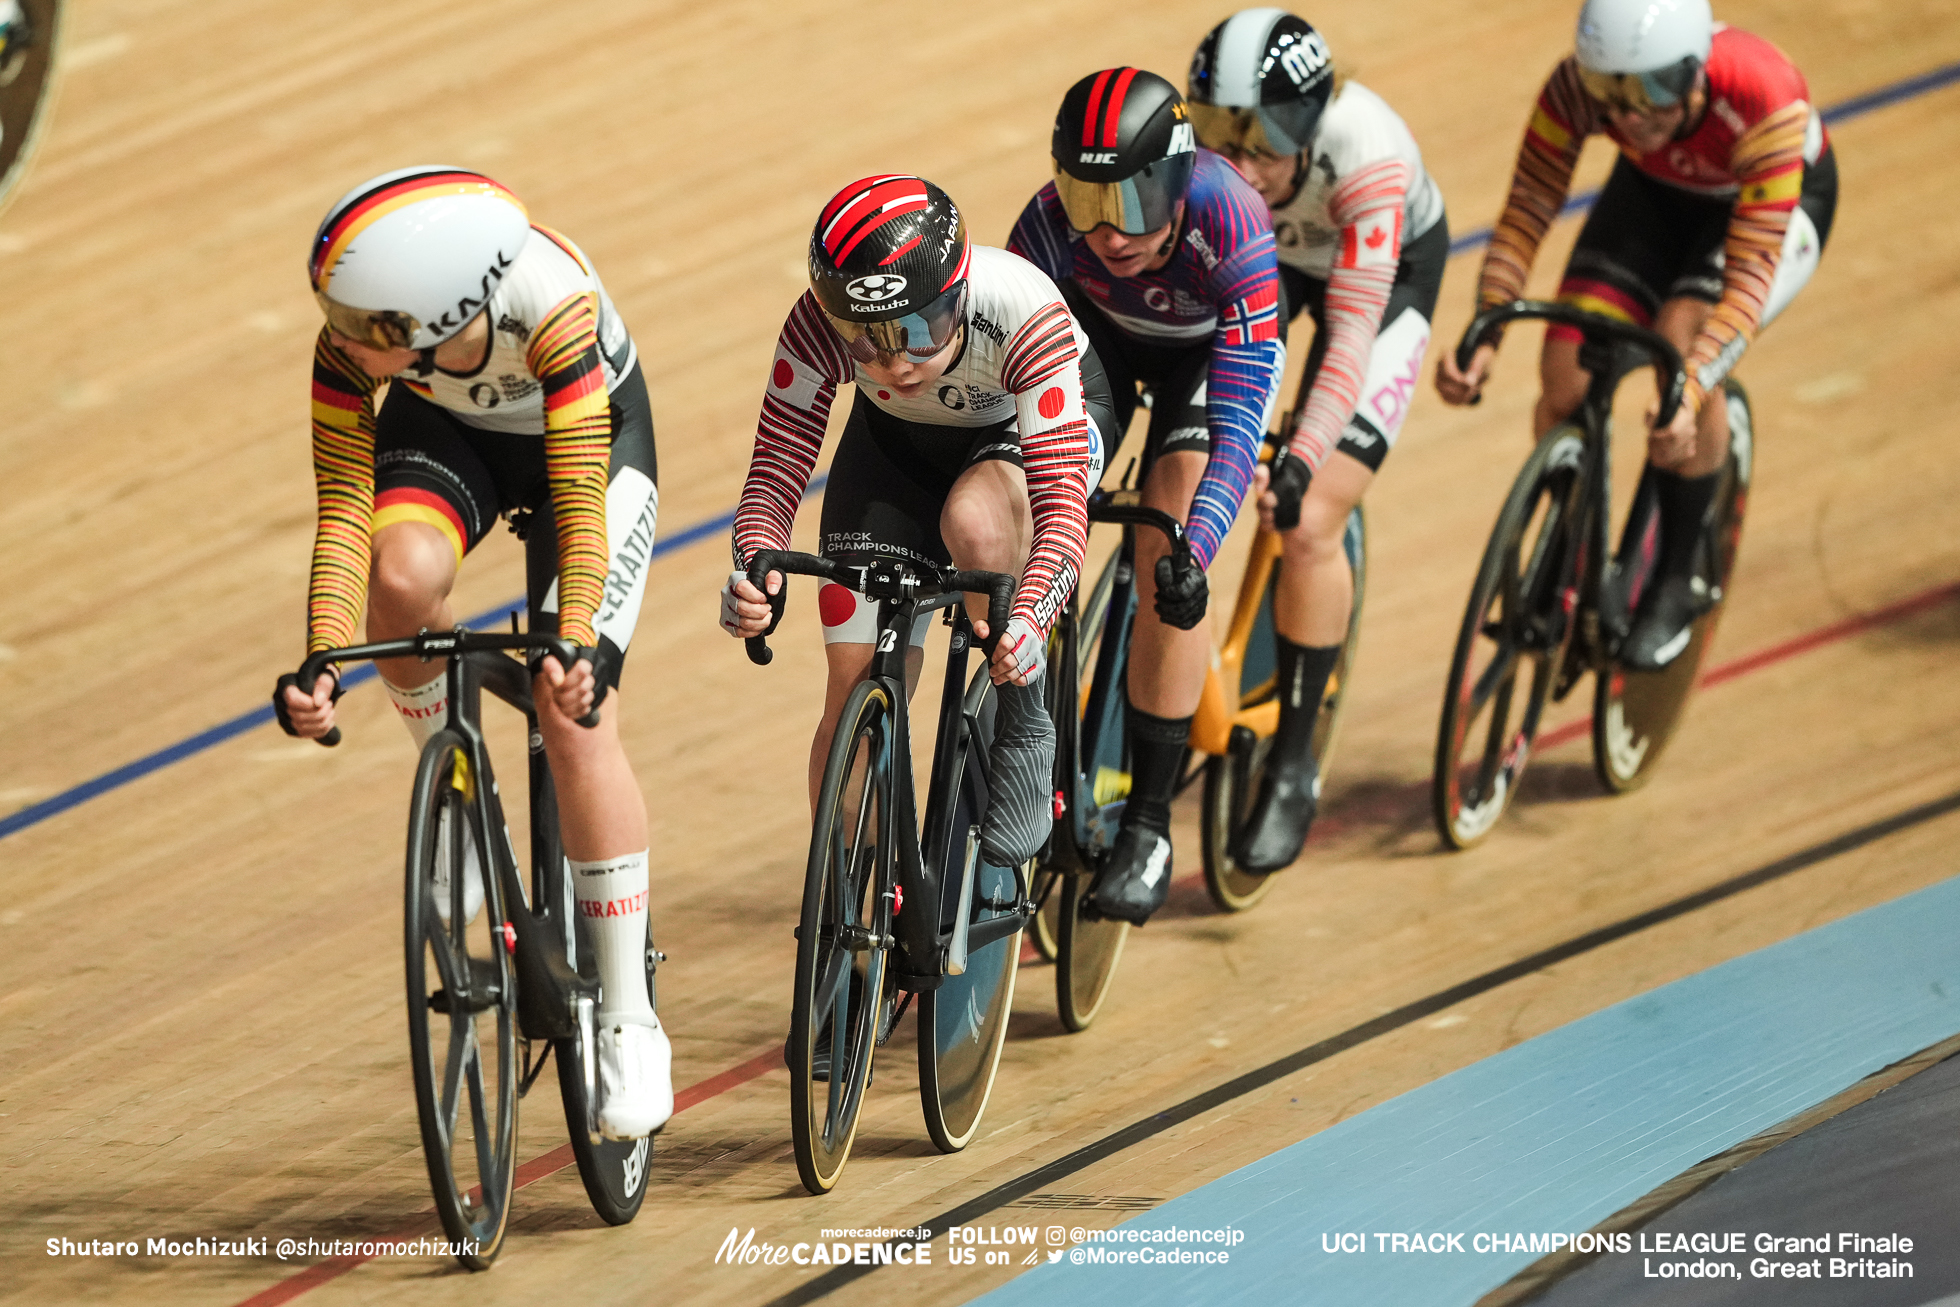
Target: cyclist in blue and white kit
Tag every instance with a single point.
(1166, 256)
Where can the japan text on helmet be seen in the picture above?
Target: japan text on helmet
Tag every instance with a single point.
(1259, 83)
(407, 259)
(1123, 151)
(1637, 55)
(888, 263)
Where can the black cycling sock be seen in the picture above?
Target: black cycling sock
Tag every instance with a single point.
(1684, 504)
(1156, 754)
(1302, 682)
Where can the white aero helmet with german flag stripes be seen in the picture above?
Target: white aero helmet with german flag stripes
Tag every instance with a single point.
(405, 260)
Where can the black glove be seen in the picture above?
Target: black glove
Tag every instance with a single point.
(1290, 478)
(290, 680)
(1181, 590)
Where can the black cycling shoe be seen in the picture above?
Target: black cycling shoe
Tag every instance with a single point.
(1277, 829)
(1137, 879)
(1665, 623)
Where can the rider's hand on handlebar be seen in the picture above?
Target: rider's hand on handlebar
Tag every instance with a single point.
(572, 691)
(745, 610)
(1182, 592)
(308, 717)
(1021, 654)
(1674, 444)
(1286, 486)
(1464, 387)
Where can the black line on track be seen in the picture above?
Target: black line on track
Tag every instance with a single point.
(1033, 1181)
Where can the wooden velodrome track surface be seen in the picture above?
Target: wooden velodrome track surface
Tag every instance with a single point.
(200, 993)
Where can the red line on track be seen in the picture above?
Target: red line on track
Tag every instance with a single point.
(528, 1173)
(694, 1095)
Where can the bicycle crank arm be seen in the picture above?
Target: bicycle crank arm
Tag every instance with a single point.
(956, 954)
(983, 933)
(588, 1044)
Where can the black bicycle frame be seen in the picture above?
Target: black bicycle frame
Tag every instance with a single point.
(902, 594)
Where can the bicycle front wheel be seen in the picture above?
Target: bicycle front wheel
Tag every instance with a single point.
(963, 1023)
(1518, 622)
(1232, 782)
(842, 940)
(462, 1009)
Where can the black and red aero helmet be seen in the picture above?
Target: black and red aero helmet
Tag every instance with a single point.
(1123, 151)
(1259, 82)
(888, 263)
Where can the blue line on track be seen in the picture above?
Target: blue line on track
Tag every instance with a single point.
(40, 812)
(1554, 1134)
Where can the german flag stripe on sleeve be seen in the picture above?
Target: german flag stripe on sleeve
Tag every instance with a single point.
(564, 355)
(343, 474)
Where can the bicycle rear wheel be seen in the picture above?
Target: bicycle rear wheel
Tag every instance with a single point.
(1232, 782)
(842, 940)
(614, 1171)
(963, 1023)
(462, 1011)
(1635, 713)
(1518, 619)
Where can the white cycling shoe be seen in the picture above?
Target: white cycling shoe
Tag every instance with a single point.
(472, 876)
(636, 1084)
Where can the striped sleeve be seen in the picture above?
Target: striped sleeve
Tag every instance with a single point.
(1041, 235)
(564, 356)
(1247, 361)
(1367, 206)
(1768, 165)
(1560, 122)
(810, 364)
(1043, 369)
(343, 474)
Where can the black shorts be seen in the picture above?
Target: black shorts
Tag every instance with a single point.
(1647, 242)
(1175, 374)
(1401, 340)
(423, 452)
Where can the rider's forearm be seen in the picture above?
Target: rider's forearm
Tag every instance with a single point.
(1239, 392)
(564, 355)
(343, 474)
(1560, 122)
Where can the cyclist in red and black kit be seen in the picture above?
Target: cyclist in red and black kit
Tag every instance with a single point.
(1166, 254)
(1713, 219)
(974, 440)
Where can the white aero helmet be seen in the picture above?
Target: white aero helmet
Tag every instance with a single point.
(1639, 55)
(405, 260)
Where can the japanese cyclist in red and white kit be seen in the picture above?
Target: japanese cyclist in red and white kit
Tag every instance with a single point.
(516, 390)
(974, 439)
(1362, 245)
(1166, 254)
(1714, 218)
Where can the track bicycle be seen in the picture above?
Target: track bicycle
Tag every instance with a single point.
(28, 42)
(1238, 711)
(861, 957)
(1551, 599)
(1089, 654)
(490, 999)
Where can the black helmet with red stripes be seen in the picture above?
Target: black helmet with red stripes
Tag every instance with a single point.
(888, 263)
(1123, 151)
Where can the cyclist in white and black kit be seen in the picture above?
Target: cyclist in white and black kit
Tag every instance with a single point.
(1362, 244)
(969, 443)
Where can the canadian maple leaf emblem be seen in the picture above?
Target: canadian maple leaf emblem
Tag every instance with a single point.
(1375, 238)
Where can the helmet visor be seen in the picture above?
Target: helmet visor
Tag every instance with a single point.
(1277, 130)
(1143, 202)
(1641, 93)
(918, 335)
(376, 328)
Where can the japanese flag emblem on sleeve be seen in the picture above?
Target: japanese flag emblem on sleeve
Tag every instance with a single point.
(793, 381)
(1374, 241)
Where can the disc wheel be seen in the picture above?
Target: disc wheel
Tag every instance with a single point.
(963, 1023)
(1515, 634)
(462, 1012)
(1232, 782)
(1085, 963)
(841, 941)
(1635, 713)
(28, 42)
(614, 1171)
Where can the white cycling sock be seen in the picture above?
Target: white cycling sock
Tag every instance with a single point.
(423, 708)
(612, 899)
